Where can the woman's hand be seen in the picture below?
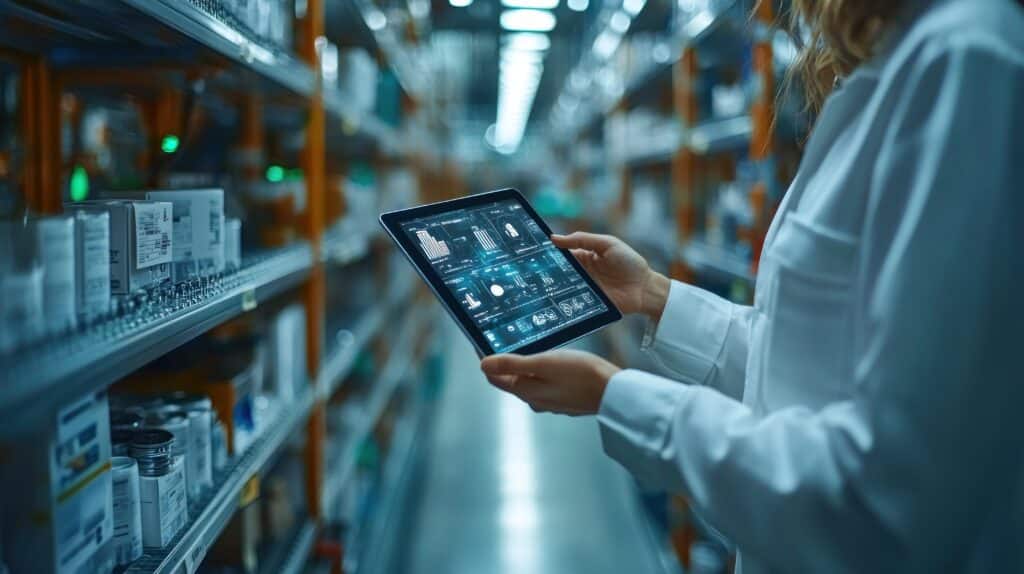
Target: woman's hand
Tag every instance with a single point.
(565, 382)
(622, 272)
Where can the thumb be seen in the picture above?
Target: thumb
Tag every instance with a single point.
(497, 365)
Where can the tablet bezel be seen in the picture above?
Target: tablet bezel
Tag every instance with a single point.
(391, 221)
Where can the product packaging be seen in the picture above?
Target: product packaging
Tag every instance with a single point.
(92, 264)
(21, 308)
(164, 505)
(55, 244)
(141, 245)
(127, 510)
(65, 521)
(198, 229)
(287, 368)
(232, 244)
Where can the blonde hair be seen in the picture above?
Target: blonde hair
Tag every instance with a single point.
(834, 37)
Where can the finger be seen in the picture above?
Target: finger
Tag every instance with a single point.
(583, 240)
(583, 256)
(504, 382)
(508, 364)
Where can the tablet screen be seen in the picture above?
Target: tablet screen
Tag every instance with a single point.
(504, 271)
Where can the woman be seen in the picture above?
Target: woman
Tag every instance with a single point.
(862, 415)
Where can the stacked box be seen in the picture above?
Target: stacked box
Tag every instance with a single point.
(141, 249)
(198, 229)
(55, 244)
(92, 264)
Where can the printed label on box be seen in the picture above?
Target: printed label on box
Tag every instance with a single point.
(153, 227)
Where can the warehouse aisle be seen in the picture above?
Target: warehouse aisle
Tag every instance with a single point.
(507, 491)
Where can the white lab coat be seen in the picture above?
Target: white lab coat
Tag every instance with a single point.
(865, 414)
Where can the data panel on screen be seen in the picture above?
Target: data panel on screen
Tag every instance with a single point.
(505, 272)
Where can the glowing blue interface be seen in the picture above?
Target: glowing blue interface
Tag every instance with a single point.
(505, 272)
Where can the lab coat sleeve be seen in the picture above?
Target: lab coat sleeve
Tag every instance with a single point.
(899, 477)
(701, 339)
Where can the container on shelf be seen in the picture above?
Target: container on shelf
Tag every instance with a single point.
(175, 420)
(162, 489)
(70, 459)
(200, 416)
(141, 238)
(92, 264)
(127, 510)
(55, 244)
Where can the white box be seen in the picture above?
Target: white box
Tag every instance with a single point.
(164, 505)
(62, 519)
(198, 229)
(141, 246)
(92, 264)
(232, 243)
(287, 352)
(55, 244)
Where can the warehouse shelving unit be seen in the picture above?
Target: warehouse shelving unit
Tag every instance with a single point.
(392, 375)
(211, 515)
(167, 46)
(92, 360)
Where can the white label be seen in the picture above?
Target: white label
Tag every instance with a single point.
(127, 516)
(164, 506)
(94, 264)
(153, 229)
(56, 241)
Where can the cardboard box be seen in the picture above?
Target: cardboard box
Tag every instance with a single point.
(198, 229)
(232, 244)
(92, 264)
(141, 245)
(62, 520)
(55, 244)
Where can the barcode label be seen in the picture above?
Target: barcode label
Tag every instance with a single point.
(153, 228)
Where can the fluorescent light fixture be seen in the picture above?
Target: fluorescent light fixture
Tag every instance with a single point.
(535, 4)
(606, 44)
(527, 41)
(619, 22)
(460, 3)
(528, 20)
(578, 5)
(517, 56)
(633, 7)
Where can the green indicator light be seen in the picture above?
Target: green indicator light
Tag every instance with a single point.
(79, 184)
(170, 144)
(275, 173)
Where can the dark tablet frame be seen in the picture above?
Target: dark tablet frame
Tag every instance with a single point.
(392, 221)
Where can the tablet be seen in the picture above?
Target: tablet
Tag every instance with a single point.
(490, 260)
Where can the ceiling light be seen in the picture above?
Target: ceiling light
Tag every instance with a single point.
(619, 22)
(528, 20)
(538, 4)
(578, 5)
(633, 7)
(460, 3)
(527, 41)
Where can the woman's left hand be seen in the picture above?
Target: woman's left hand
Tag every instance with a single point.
(565, 382)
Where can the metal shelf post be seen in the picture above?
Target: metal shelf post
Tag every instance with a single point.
(314, 160)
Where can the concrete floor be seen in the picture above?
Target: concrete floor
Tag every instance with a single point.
(504, 490)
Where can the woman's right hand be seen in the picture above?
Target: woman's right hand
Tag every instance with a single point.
(622, 272)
